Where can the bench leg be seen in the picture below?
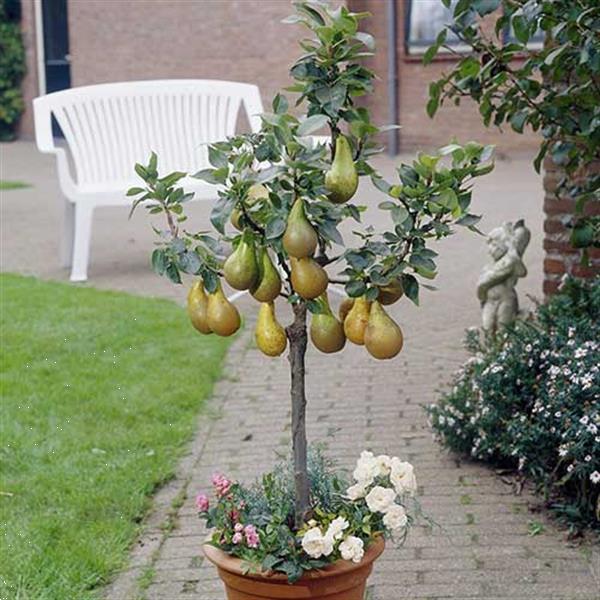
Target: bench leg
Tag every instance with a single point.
(68, 231)
(81, 242)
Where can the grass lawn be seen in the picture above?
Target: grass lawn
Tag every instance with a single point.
(100, 391)
(12, 185)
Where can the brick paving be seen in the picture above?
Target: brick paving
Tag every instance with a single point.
(482, 548)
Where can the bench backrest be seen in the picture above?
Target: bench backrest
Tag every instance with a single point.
(109, 127)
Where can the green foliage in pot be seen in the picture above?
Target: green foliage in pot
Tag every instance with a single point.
(531, 399)
(12, 70)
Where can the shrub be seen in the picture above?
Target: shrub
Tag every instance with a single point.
(12, 70)
(531, 398)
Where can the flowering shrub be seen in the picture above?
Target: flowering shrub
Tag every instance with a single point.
(531, 398)
(256, 523)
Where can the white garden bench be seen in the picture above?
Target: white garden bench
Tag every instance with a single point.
(109, 127)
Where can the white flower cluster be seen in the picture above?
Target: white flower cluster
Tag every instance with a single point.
(317, 544)
(380, 480)
(399, 476)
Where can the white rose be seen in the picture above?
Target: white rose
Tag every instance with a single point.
(383, 464)
(352, 548)
(366, 468)
(315, 545)
(402, 476)
(356, 491)
(336, 528)
(379, 499)
(395, 517)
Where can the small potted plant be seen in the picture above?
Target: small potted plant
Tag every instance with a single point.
(281, 199)
(332, 553)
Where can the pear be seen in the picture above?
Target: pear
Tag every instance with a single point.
(268, 284)
(390, 293)
(256, 192)
(309, 279)
(235, 217)
(240, 268)
(197, 306)
(222, 316)
(356, 321)
(344, 309)
(326, 332)
(270, 335)
(341, 180)
(300, 238)
(383, 337)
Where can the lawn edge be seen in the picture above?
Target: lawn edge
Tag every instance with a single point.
(157, 524)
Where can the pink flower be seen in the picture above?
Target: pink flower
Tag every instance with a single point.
(252, 538)
(221, 483)
(237, 538)
(238, 528)
(202, 503)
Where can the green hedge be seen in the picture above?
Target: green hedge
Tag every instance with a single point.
(532, 400)
(12, 68)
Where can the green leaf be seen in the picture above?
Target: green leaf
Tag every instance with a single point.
(312, 124)
(485, 7)
(280, 104)
(432, 106)
(221, 212)
(275, 227)
(356, 288)
(517, 121)
(411, 287)
(141, 171)
(216, 157)
(366, 38)
(521, 28)
(159, 261)
(134, 191)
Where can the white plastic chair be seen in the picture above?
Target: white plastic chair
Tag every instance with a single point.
(110, 127)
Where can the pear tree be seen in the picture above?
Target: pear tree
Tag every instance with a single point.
(282, 195)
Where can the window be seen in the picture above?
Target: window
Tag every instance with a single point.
(424, 20)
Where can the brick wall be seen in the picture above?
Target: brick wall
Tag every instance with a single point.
(238, 40)
(561, 258)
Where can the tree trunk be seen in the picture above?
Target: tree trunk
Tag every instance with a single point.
(297, 336)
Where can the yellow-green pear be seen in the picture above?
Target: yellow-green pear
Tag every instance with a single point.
(300, 238)
(341, 180)
(235, 219)
(344, 309)
(326, 332)
(390, 293)
(383, 337)
(309, 279)
(356, 321)
(197, 307)
(268, 285)
(240, 268)
(256, 192)
(222, 316)
(270, 335)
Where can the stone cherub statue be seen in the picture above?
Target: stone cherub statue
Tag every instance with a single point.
(496, 285)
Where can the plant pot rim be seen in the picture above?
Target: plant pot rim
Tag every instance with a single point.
(233, 565)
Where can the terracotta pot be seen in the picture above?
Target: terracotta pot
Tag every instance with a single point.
(342, 580)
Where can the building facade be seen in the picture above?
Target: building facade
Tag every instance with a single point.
(82, 42)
